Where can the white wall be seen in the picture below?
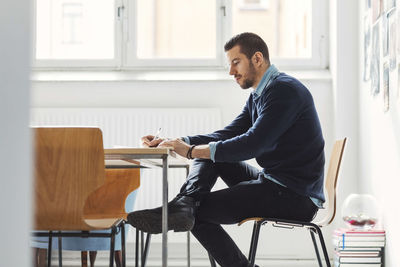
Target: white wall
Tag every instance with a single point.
(15, 182)
(379, 152)
(371, 163)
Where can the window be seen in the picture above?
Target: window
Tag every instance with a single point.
(75, 32)
(175, 32)
(125, 34)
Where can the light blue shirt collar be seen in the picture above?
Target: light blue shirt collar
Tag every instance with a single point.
(269, 75)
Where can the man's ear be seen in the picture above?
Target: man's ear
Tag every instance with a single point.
(258, 58)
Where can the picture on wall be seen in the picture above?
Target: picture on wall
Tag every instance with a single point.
(392, 39)
(385, 35)
(375, 10)
(398, 35)
(385, 87)
(367, 47)
(398, 82)
(389, 4)
(375, 60)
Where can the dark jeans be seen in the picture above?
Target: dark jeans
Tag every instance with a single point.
(249, 194)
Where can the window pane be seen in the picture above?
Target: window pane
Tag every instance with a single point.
(75, 29)
(176, 29)
(285, 25)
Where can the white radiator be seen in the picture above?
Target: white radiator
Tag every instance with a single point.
(125, 126)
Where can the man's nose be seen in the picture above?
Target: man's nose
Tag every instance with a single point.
(232, 71)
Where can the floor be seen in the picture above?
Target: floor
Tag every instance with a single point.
(177, 258)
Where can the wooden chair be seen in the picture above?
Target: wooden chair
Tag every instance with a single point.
(314, 227)
(74, 192)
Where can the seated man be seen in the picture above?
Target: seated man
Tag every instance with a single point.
(279, 127)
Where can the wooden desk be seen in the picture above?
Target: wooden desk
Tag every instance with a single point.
(149, 158)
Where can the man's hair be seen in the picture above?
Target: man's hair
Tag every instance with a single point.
(249, 44)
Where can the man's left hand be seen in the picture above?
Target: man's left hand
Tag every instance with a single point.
(179, 146)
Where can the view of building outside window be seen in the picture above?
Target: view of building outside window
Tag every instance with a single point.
(285, 25)
(75, 29)
(168, 29)
(72, 19)
(187, 28)
(176, 28)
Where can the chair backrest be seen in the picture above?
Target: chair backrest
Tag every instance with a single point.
(69, 165)
(331, 181)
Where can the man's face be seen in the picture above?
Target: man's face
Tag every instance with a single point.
(241, 67)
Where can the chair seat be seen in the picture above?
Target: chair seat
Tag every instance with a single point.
(103, 223)
(281, 222)
(250, 219)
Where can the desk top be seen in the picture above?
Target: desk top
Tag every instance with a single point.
(142, 157)
(137, 151)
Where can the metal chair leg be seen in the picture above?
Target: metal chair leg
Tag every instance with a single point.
(141, 244)
(92, 257)
(252, 238)
(188, 248)
(137, 249)
(212, 261)
(60, 251)
(112, 246)
(123, 245)
(146, 249)
(254, 242)
(321, 240)
(315, 247)
(49, 249)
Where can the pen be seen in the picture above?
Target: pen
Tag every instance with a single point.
(157, 134)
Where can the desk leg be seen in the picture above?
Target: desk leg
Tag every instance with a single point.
(188, 233)
(165, 213)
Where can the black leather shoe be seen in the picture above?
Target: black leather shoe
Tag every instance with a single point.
(180, 216)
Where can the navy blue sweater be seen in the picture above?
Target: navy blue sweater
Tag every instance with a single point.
(281, 129)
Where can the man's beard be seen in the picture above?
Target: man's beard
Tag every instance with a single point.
(249, 82)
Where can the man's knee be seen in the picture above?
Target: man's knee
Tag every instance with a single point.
(220, 166)
(197, 160)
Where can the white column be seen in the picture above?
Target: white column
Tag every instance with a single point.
(344, 58)
(15, 158)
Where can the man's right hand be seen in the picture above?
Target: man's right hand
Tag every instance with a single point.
(149, 141)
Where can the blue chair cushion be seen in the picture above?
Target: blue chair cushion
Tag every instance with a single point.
(88, 244)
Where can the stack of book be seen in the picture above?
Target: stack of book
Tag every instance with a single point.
(354, 248)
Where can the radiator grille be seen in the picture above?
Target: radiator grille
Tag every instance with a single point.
(125, 126)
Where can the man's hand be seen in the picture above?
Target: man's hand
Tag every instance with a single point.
(179, 146)
(149, 141)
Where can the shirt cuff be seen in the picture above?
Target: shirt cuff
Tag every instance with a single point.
(186, 139)
(213, 148)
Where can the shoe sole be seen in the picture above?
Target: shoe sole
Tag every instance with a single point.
(152, 223)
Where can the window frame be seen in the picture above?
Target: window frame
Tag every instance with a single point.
(125, 49)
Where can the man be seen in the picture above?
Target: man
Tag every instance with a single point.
(279, 127)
